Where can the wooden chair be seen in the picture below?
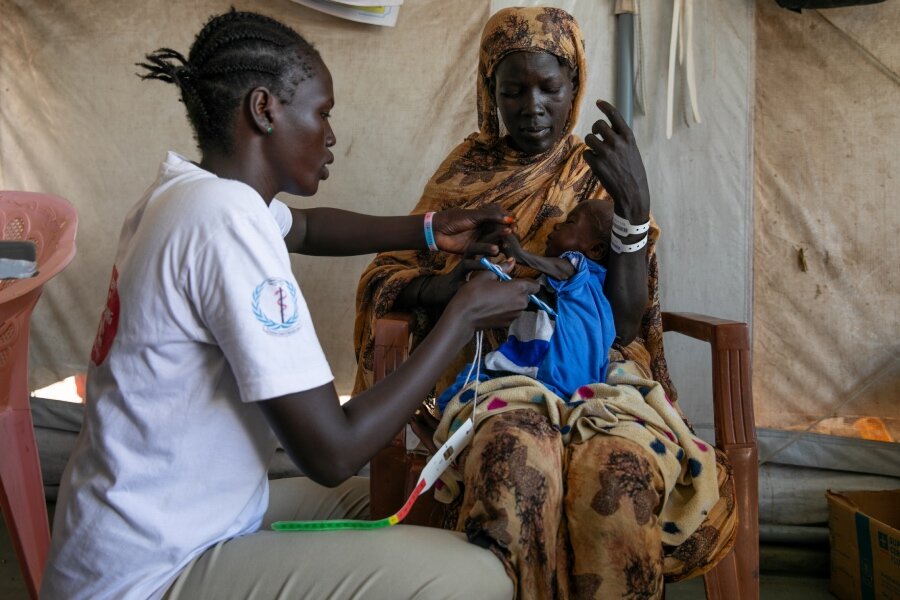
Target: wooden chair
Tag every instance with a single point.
(394, 470)
(50, 223)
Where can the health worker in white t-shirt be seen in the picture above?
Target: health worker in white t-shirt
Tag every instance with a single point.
(206, 358)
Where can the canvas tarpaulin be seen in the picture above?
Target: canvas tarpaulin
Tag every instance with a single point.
(826, 247)
(76, 121)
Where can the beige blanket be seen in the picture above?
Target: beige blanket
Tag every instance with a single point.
(628, 406)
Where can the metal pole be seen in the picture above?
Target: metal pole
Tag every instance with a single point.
(625, 66)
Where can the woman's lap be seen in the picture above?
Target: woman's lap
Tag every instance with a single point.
(715, 536)
(396, 562)
(614, 492)
(513, 496)
(522, 489)
(535, 502)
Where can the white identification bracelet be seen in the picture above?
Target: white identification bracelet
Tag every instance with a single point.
(623, 227)
(619, 248)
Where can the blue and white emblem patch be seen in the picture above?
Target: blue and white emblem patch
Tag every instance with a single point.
(275, 305)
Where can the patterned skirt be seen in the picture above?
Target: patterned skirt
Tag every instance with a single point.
(578, 516)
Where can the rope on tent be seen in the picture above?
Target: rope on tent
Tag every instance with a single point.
(681, 46)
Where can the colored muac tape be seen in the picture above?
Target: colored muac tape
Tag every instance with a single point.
(445, 455)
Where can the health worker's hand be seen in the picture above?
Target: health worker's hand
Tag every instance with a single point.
(471, 232)
(487, 303)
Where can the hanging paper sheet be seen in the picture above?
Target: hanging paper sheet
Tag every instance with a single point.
(380, 12)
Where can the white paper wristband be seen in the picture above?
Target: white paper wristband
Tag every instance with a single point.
(619, 248)
(623, 227)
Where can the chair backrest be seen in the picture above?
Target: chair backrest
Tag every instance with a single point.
(50, 223)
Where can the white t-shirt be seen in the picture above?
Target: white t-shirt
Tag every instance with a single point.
(203, 318)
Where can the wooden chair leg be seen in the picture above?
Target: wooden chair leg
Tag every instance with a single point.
(22, 496)
(721, 582)
(743, 459)
(736, 577)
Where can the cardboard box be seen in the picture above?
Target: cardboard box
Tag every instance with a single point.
(865, 544)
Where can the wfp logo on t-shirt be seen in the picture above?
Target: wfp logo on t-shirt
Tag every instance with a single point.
(275, 305)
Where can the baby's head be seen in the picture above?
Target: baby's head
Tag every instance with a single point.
(586, 229)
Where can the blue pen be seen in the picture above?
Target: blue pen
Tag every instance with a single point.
(504, 277)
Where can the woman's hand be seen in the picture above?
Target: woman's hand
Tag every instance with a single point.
(616, 162)
(471, 232)
(438, 290)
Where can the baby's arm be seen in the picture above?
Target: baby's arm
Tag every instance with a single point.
(558, 268)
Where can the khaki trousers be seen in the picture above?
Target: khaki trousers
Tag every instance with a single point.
(395, 563)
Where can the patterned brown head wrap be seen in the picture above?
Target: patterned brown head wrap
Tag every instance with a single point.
(537, 29)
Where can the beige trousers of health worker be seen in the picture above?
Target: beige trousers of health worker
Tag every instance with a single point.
(394, 563)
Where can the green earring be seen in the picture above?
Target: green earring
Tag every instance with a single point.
(269, 130)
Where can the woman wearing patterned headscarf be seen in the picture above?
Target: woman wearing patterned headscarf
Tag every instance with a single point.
(535, 176)
(577, 520)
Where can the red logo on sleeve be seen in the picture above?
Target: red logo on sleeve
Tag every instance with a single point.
(109, 321)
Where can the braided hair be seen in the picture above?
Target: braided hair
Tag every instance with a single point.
(233, 54)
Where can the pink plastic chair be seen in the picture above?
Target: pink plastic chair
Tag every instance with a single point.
(50, 222)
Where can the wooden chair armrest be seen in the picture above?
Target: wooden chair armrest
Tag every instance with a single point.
(729, 341)
(388, 470)
(727, 335)
(732, 394)
(392, 343)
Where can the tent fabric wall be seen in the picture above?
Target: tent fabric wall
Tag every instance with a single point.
(826, 130)
(74, 120)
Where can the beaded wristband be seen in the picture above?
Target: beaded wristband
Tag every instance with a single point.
(619, 248)
(429, 232)
(623, 227)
